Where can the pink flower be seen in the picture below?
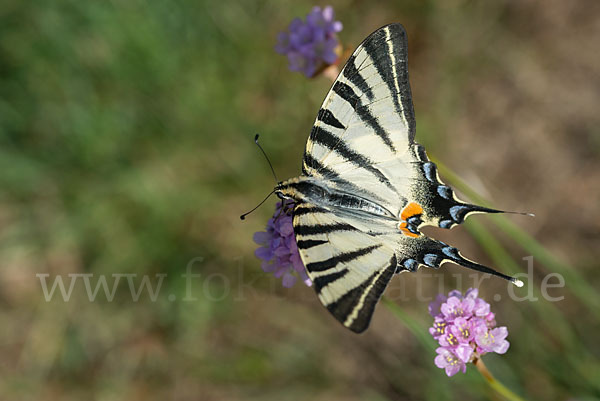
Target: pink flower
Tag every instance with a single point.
(439, 328)
(465, 329)
(455, 307)
(481, 308)
(471, 293)
(462, 330)
(449, 361)
(493, 340)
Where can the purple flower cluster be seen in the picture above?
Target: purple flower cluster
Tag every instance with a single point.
(465, 329)
(279, 252)
(312, 44)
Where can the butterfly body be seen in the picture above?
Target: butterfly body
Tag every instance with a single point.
(367, 187)
(317, 191)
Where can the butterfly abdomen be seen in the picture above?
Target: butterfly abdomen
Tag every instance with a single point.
(314, 191)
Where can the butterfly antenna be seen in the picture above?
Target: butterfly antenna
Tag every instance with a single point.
(266, 157)
(243, 216)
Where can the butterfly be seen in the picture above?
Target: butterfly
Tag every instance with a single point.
(367, 187)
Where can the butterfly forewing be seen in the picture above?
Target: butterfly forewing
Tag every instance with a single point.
(367, 121)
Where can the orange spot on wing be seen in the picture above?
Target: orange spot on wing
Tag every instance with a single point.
(404, 228)
(410, 210)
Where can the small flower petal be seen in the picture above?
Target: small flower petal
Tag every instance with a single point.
(481, 307)
(464, 352)
(499, 333)
(490, 320)
(286, 228)
(472, 293)
(288, 280)
(449, 340)
(268, 267)
(502, 347)
(328, 13)
(281, 251)
(439, 327)
(263, 253)
(434, 307)
(261, 237)
(449, 361)
(462, 330)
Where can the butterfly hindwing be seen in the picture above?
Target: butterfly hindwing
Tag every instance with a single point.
(351, 257)
(349, 267)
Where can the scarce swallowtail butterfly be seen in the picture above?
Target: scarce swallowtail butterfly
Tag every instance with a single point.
(367, 187)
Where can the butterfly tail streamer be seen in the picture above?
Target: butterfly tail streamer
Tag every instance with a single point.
(458, 213)
(454, 255)
(483, 209)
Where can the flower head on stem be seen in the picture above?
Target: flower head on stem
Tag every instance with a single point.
(311, 45)
(465, 329)
(278, 251)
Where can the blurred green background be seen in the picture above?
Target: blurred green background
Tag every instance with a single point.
(126, 148)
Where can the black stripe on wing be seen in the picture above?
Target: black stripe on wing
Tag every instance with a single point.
(345, 257)
(328, 118)
(310, 165)
(323, 281)
(369, 293)
(322, 229)
(309, 243)
(387, 47)
(352, 74)
(303, 208)
(334, 143)
(347, 93)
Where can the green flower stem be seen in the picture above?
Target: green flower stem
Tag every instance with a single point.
(411, 324)
(495, 384)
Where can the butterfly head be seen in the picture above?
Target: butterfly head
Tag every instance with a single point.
(300, 189)
(287, 189)
(280, 191)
